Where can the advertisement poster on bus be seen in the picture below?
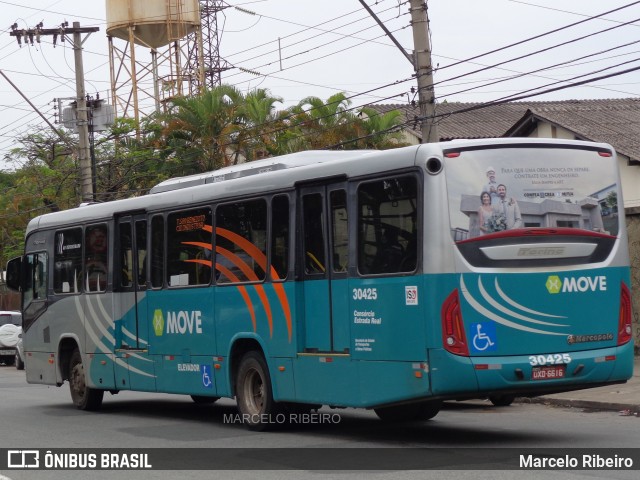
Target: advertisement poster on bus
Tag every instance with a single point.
(502, 189)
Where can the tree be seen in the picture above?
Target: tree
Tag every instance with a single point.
(45, 180)
(261, 125)
(378, 129)
(318, 124)
(200, 132)
(612, 201)
(128, 160)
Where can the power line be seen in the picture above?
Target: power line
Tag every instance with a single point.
(513, 98)
(543, 50)
(550, 32)
(539, 69)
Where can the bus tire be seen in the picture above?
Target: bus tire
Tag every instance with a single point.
(83, 396)
(429, 409)
(502, 400)
(254, 394)
(19, 362)
(204, 400)
(407, 413)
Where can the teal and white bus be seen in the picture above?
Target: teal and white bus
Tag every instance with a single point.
(387, 280)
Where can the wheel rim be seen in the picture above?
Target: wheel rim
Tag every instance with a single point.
(254, 391)
(78, 385)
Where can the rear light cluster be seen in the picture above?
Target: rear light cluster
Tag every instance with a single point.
(624, 320)
(453, 336)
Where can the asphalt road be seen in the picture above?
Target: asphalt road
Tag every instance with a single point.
(43, 417)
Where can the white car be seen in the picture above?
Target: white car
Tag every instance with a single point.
(10, 331)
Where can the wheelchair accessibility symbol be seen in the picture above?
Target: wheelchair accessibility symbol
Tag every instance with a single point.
(207, 378)
(484, 339)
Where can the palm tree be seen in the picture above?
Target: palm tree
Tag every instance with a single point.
(321, 123)
(378, 129)
(201, 131)
(261, 124)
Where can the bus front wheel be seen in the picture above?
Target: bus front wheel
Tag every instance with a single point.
(254, 394)
(83, 396)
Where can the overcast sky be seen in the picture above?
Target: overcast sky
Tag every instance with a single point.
(334, 46)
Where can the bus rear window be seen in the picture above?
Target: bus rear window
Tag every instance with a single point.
(498, 189)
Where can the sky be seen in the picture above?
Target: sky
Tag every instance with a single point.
(482, 51)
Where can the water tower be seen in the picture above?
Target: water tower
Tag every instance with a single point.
(152, 45)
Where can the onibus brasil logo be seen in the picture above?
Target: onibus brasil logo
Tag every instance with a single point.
(555, 284)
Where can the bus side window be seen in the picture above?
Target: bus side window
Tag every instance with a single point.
(280, 237)
(141, 252)
(387, 227)
(96, 258)
(314, 238)
(339, 230)
(189, 248)
(35, 285)
(241, 242)
(157, 251)
(67, 261)
(126, 255)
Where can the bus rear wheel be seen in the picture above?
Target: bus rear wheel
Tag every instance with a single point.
(83, 396)
(413, 412)
(502, 400)
(254, 394)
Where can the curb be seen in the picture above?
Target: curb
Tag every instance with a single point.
(623, 408)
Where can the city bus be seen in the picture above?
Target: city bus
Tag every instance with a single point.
(386, 280)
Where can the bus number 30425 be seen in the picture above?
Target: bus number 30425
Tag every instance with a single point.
(556, 359)
(365, 293)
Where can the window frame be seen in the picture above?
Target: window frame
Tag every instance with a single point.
(355, 214)
(267, 241)
(184, 212)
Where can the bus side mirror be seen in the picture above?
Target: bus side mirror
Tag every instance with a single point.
(14, 266)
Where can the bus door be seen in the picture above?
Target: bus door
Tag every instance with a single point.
(134, 368)
(323, 257)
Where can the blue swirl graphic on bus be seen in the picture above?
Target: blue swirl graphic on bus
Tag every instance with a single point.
(105, 326)
(508, 312)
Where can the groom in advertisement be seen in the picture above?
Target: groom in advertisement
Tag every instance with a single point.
(509, 207)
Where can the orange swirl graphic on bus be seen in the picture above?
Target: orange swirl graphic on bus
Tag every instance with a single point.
(261, 260)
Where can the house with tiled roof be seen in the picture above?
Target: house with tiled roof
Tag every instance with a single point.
(613, 121)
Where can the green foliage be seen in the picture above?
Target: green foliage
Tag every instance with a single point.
(220, 127)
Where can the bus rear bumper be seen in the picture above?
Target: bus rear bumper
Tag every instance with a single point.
(533, 374)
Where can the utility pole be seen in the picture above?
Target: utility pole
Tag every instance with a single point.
(84, 157)
(421, 62)
(424, 70)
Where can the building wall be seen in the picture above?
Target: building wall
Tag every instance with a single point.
(630, 174)
(633, 230)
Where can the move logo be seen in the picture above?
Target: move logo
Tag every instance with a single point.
(158, 322)
(180, 323)
(555, 284)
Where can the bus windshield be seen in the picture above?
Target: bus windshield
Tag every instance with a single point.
(497, 189)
